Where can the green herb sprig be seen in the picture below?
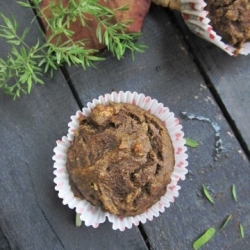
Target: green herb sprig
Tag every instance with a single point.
(226, 221)
(78, 221)
(191, 143)
(234, 192)
(207, 194)
(204, 238)
(242, 231)
(114, 37)
(26, 64)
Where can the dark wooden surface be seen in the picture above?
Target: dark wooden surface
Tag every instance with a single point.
(31, 214)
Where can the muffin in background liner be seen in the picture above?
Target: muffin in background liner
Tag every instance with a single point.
(196, 19)
(93, 215)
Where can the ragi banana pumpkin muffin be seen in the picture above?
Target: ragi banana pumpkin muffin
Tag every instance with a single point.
(231, 20)
(121, 159)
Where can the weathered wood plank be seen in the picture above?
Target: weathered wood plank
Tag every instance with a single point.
(167, 72)
(230, 76)
(31, 214)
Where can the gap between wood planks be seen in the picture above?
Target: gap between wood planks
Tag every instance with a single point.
(209, 84)
(145, 237)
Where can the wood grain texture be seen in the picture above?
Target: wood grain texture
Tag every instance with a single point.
(31, 214)
(166, 71)
(230, 76)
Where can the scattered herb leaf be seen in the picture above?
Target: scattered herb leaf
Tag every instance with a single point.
(234, 192)
(241, 231)
(78, 220)
(207, 194)
(226, 221)
(191, 143)
(204, 238)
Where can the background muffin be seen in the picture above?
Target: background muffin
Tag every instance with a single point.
(223, 23)
(231, 20)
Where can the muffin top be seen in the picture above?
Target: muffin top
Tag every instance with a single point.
(121, 159)
(231, 20)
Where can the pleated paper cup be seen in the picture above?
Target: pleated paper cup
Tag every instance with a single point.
(196, 19)
(93, 215)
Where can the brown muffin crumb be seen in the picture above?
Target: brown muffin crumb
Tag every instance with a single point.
(231, 20)
(121, 159)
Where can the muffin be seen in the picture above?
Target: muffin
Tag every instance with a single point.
(231, 20)
(122, 159)
(224, 23)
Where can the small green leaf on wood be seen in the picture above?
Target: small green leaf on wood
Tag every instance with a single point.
(207, 194)
(226, 221)
(234, 192)
(78, 220)
(204, 238)
(191, 143)
(241, 231)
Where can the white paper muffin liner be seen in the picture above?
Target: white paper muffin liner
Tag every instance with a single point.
(92, 215)
(194, 16)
